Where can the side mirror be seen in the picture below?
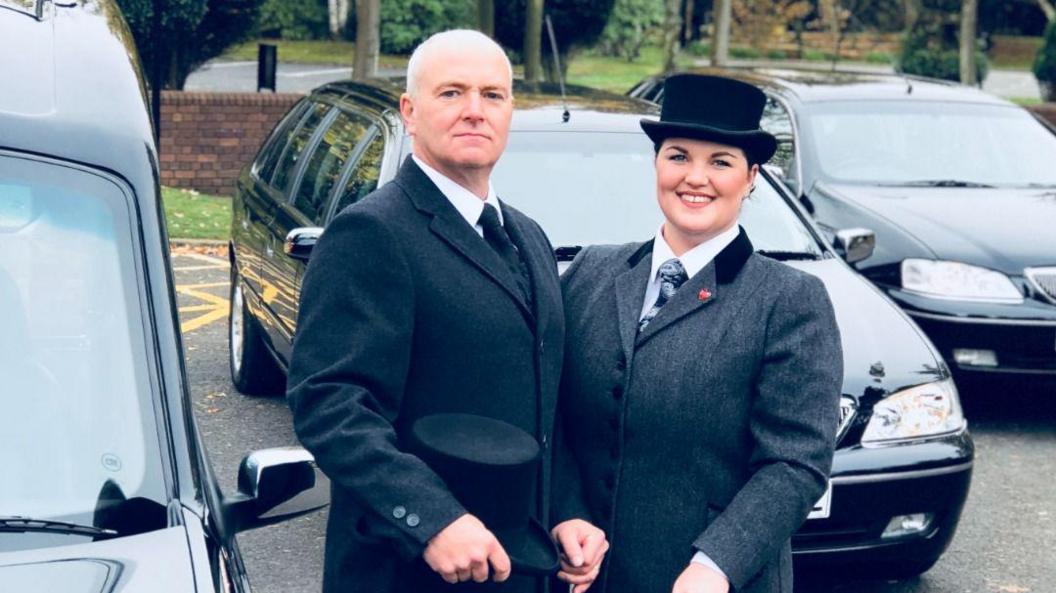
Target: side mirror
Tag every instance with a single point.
(300, 242)
(855, 244)
(275, 485)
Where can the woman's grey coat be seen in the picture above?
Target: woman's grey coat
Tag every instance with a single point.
(711, 430)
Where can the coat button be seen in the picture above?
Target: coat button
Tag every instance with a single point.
(546, 441)
(617, 392)
(413, 520)
(540, 346)
(399, 512)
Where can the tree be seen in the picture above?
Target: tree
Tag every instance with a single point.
(338, 12)
(486, 17)
(191, 33)
(577, 24)
(368, 39)
(969, 27)
(672, 27)
(1049, 10)
(720, 45)
(533, 37)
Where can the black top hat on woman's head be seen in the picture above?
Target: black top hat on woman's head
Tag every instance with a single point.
(716, 109)
(490, 466)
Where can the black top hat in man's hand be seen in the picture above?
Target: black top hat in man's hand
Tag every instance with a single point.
(716, 109)
(490, 467)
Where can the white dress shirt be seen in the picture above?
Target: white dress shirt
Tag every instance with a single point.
(468, 204)
(693, 261)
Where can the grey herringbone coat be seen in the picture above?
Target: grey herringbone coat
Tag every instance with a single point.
(711, 430)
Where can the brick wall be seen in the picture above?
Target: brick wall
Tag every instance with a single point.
(1045, 110)
(206, 138)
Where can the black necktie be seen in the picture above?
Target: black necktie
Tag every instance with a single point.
(672, 276)
(495, 235)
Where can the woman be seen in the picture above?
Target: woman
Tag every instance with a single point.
(701, 380)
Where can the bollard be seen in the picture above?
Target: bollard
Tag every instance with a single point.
(267, 61)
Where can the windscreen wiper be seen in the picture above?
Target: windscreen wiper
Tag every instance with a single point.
(25, 524)
(789, 255)
(941, 183)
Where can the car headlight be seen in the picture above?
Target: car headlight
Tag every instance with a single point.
(922, 411)
(953, 280)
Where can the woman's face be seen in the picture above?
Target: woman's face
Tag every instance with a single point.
(700, 186)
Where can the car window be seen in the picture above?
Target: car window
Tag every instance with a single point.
(364, 174)
(588, 188)
(328, 158)
(777, 121)
(287, 165)
(79, 432)
(898, 142)
(268, 157)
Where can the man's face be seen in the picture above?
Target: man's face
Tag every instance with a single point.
(460, 114)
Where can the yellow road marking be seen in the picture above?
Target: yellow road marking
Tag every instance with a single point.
(216, 306)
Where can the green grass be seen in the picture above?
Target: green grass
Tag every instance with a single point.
(617, 74)
(340, 53)
(191, 215)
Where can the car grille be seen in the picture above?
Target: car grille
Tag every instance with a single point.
(848, 410)
(1044, 281)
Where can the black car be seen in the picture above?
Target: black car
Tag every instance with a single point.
(960, 190)
(904, 458)
(106, 486)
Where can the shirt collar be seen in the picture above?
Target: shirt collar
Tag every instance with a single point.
(695, 259)
(468, 204)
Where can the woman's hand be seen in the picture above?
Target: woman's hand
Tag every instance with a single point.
(583, 547)
(697, 578)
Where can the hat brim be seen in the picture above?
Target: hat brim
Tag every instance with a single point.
(531, 550)
(757, 144)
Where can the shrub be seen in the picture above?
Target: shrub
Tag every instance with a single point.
(406, 23)
(294, 19)
(628, 27)
(698, 48)
(922, 55)
(776, 54)
(814, 55)
(1045, 61)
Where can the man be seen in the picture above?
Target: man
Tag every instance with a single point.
(429, 296)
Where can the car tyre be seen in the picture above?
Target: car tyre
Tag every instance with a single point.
(253, 369)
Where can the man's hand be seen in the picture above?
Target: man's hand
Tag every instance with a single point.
(697, 578)
(466, 550)
(583, 547)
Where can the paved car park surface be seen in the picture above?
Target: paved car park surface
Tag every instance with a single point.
(1004, 544)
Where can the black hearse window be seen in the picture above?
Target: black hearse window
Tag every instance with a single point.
(365, 173)
(292, 155)
(776, 120)
(79, 430)
(264, 166)
(324, 168)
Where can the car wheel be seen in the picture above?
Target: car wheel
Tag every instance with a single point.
(253, 370)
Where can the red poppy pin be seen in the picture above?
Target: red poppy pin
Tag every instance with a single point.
(703, 295)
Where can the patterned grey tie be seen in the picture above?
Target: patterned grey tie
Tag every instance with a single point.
(672, 276)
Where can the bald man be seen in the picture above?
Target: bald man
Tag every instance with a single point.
(428, 296)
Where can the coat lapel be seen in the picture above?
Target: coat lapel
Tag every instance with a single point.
(702, 289)
(629, 288)
(449, 225)
(537, 260)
